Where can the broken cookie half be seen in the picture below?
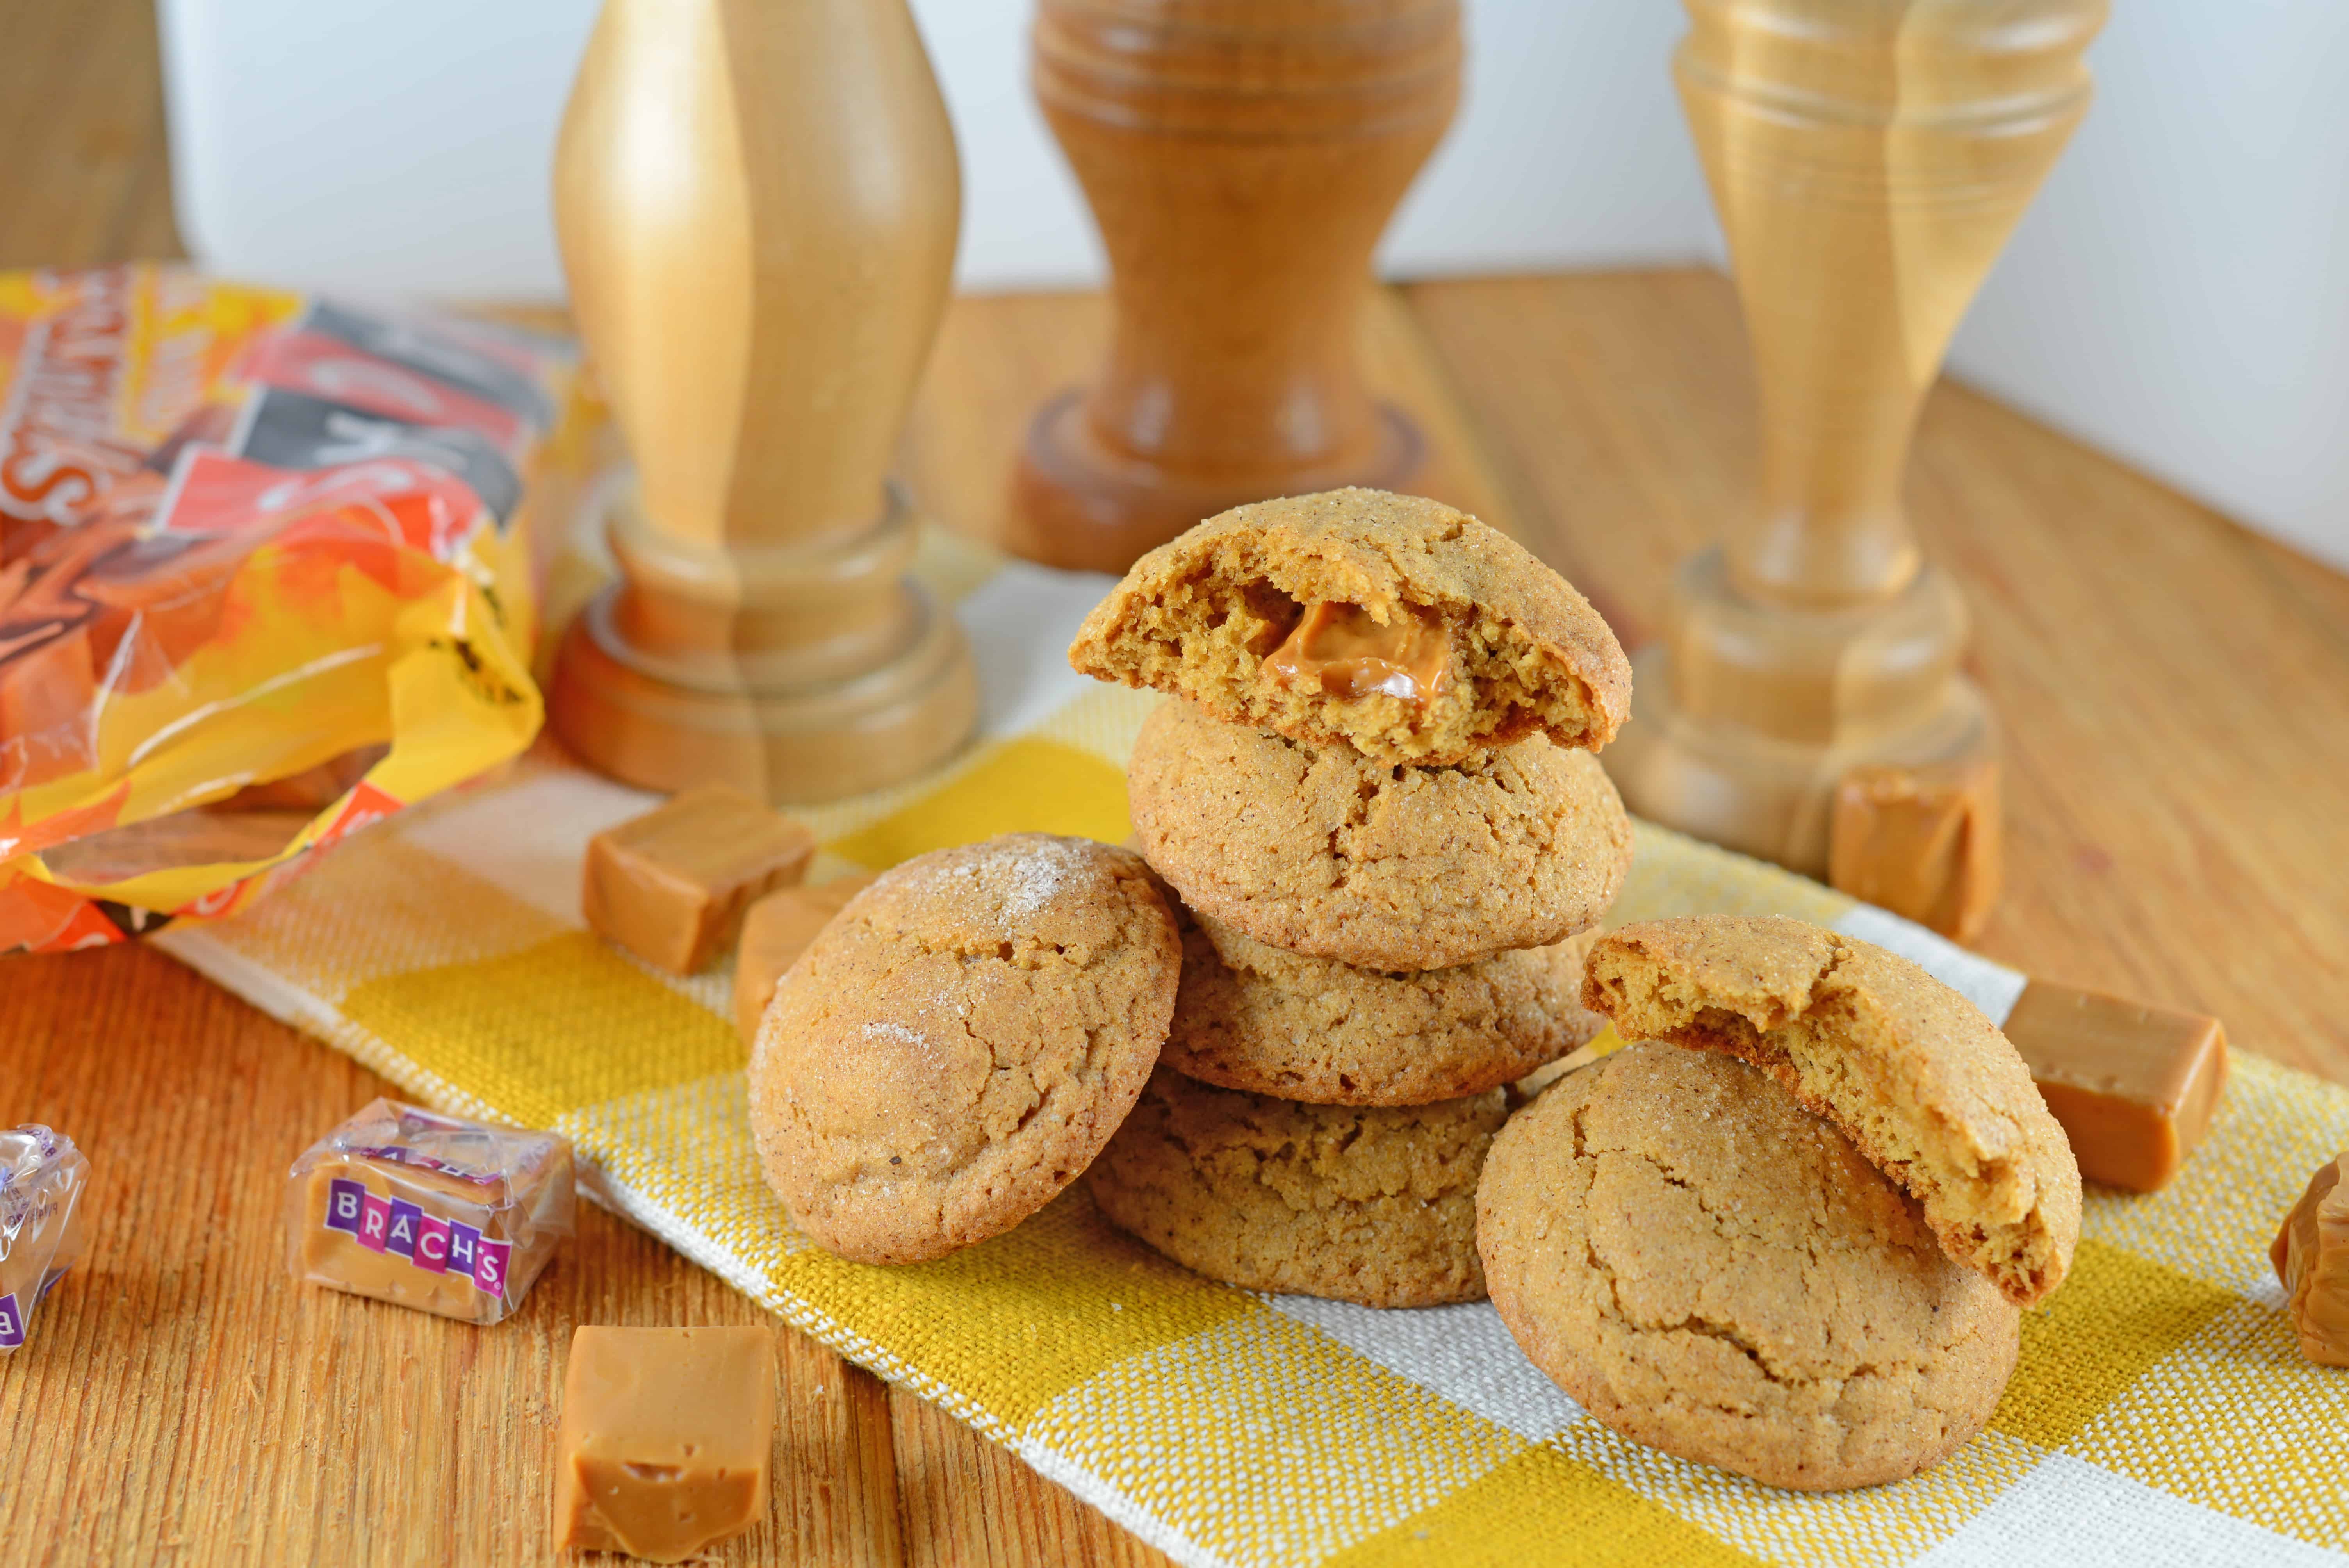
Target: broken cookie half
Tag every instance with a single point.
(1922, 1083)
(1397, 625)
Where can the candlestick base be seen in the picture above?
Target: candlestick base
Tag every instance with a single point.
(798, 674)
(1079, 505)
(1842, 744)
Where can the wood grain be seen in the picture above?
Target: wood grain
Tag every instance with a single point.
(2177, 698)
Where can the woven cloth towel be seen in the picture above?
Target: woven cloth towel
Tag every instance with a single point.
(2160, 1413)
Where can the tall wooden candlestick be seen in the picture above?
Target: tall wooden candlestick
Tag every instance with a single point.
(1241, 158)
(1869, 160)
(757, 205)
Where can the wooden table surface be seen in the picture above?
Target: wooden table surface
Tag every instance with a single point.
(2175, 693)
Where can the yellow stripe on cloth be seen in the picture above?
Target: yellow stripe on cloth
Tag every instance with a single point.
(1264, 1441)
(1541, 1506)
(561, 1025)
(2235, 1420)
(1028, 785)
(1009, 1325)
(1872, 1527)
(2115, 1316)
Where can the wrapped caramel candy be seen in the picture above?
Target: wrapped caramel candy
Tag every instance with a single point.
(431, 1211)
(41, 1178)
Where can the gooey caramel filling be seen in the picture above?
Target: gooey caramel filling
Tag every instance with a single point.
(1340, 648)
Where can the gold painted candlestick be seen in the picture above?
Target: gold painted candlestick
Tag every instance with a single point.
(1241, 158)
(1869, 160)
(757, 205)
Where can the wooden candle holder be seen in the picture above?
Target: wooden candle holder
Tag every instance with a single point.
(1869, 160)
(757, 206)
(1241, 158)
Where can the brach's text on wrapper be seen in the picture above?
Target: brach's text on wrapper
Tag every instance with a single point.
(248, 539)
(431, 1211)
(41, 1178)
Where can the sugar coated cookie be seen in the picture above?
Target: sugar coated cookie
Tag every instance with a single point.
(1710, 1270)
(1257, 1017)
(960, 1041)
(1401, 627)
(1322, 850)
(1366, 1204)
(1916, 1076)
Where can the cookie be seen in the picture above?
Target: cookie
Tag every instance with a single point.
(1397, 625)
(960, 1041)
(1923, 1083)
(1260, 1018)
(1320, 849)
(1370, 1204)
(1711, 1271)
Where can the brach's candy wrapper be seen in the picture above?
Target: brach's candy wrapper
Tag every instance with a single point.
(431, 1211)
(41, 1177)
(259, 552)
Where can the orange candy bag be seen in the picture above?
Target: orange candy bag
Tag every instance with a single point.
(257, 551)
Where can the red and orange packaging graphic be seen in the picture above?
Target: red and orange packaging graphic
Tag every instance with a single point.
(255, 549)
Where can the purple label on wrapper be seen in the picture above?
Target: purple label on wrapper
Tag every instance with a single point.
(490, 1272)
(463, 1241)
(345, 1200)
(375, 1220)
(401, 1238)
(432, 1252)
(11, 1323)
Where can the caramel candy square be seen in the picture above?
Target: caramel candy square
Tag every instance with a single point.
(2311, 1259)
(436, 1212)
(2135, 1087)
(672, 886)
(1924, 843)
(774, 934)
(667, 1438)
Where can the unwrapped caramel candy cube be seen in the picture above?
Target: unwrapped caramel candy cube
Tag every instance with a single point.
(774, 934)
(672, 886)
(2311, 1259)
(436, 1212)
(666, 1437)
(1925, 843)
(2135, 1087)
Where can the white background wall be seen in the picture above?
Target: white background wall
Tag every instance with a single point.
(2180, 295)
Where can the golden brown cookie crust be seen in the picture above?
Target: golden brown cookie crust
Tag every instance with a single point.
(1711, 1270)
(1923, 1083)
(1198, 615)
(1322, 850)
(960, 1041)
(1260, 1018)
(1369, 1205)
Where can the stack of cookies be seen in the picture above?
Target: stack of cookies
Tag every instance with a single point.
(1281, 1043)
(1386, 843)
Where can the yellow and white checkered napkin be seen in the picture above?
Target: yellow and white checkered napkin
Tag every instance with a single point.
(2160, 1413)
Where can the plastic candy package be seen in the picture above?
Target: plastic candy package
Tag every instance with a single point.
(41, 1178)
(265, 578)
(431, 1211)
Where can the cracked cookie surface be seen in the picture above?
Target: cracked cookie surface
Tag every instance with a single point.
(1369, 1205)
(1252, 1016)
(1711, 1271)
(1924, 1084)
(960, 1041)
(1325, 851)
(1520, 652)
